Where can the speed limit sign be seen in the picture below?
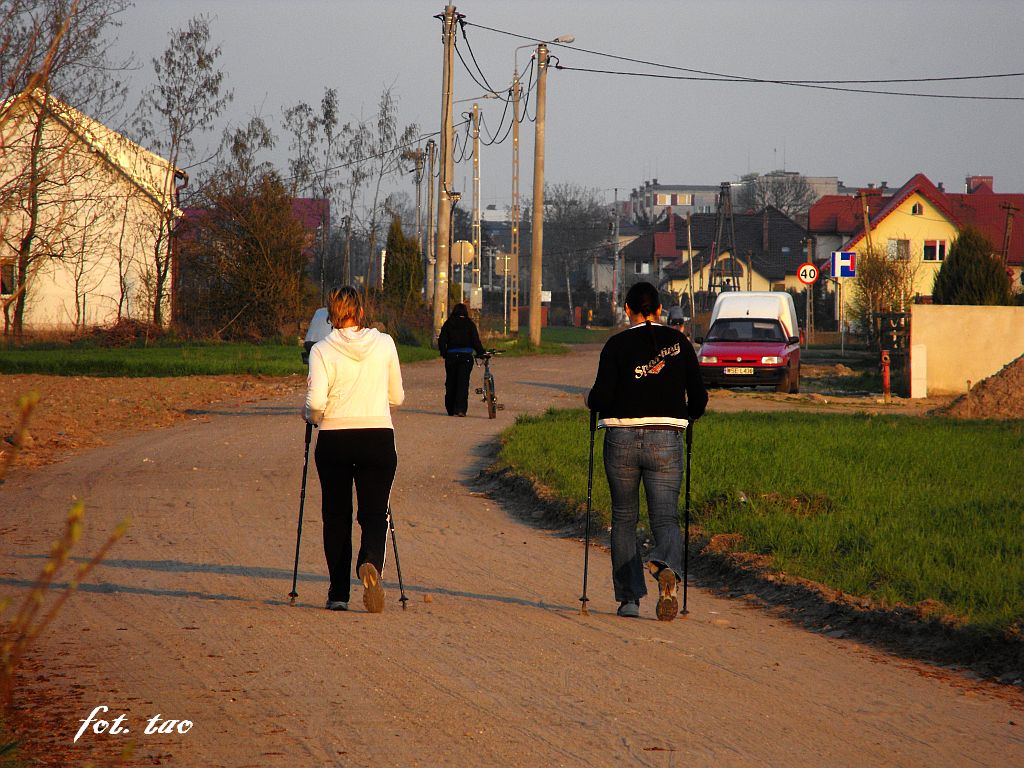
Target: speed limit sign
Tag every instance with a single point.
(807, 273)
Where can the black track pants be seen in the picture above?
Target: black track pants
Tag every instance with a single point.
(457, 368)
(367, 458)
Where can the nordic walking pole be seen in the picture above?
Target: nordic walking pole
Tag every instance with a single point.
(590, 503)
(302, 502)
(686, 516)
(398, 566)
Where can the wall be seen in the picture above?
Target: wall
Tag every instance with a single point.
(965, 343)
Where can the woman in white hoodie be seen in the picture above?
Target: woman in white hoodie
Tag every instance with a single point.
(354, 380)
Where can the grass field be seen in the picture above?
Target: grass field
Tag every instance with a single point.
(894, 508)
(169, 360)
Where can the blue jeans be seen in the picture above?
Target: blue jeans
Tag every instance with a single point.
(656, 457)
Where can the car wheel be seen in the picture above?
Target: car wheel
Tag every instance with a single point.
(794, 386)
(782, 385)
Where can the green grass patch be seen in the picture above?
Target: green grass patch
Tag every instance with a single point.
(561, 334)
(169, 360)
(898, 509)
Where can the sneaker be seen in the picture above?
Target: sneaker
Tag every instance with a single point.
(629, 609)
(668, 602)
(373, 592)
(336, 605)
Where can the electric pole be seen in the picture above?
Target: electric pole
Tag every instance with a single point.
(428, 267)
(444, 203)
(514, 311)
(477, 255)
(537, 252)
(419, 203)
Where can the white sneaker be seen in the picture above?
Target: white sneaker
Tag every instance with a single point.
(336, 605)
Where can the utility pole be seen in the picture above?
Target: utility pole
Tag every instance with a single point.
(419, 203)
(537, 252)
(689, 259)
(444, 203)
(615, 260)
(428, 267)
(1010, 209)
(477, 255)
(867, 219)
(516, 216)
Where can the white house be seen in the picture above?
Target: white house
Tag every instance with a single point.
(84, 220)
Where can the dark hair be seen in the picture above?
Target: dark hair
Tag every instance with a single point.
(459, 310)
(643, 299)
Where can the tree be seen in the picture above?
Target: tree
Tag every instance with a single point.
(789, 192)
(883, 284)
(185, 100)
(48, 48)
(385, 147)
(972, 273)
(242, 262)
(403, 271)
(317, 147)
(575, 234)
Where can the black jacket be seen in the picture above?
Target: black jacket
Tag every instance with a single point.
(648, 376)
(458, 332)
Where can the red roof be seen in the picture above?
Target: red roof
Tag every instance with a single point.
(841, 214)
(984, 210)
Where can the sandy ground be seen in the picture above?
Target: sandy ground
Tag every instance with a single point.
(492, 663)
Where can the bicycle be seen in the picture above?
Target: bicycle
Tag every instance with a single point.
(490, 398)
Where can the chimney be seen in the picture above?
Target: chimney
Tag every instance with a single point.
(654, 182)
(973, 182)
(941, 187)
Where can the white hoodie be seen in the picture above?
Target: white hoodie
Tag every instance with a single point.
(353, 379)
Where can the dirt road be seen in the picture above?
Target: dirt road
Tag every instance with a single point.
(491, 664)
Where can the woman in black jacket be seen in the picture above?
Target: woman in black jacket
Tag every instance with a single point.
(648, 390)
(457, 342)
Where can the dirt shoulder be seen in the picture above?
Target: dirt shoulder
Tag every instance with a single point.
(79, 412)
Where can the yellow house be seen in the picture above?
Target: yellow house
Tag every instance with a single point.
(916, 225)
(84, 219)
(920, 223)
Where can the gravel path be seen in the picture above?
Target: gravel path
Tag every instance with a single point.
(491, 664)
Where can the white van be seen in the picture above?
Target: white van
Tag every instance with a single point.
(753, 340)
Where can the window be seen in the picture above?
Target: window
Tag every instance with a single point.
(6, 279)
(899, 250)
(916, 209)
(934, 250)
(642, 267)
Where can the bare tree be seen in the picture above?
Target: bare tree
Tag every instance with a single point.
(790, 193)
(184, 101)
(47, 48)
(385, 148)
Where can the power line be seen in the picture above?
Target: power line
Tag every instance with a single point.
(791, 83)
(824, 84)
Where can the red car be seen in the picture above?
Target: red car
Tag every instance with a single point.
(749, 345)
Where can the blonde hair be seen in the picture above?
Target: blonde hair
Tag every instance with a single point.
(344, 304)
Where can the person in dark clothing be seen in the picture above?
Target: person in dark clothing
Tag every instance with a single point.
(648, 390)
(457, 342)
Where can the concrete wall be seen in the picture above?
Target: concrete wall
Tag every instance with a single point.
(964, 343)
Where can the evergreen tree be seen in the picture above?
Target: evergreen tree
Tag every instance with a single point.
(972, 273)
(403, 272)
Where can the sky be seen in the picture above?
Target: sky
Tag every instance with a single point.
(609, 132)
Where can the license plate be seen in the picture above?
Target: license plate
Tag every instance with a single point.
(739, 371)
